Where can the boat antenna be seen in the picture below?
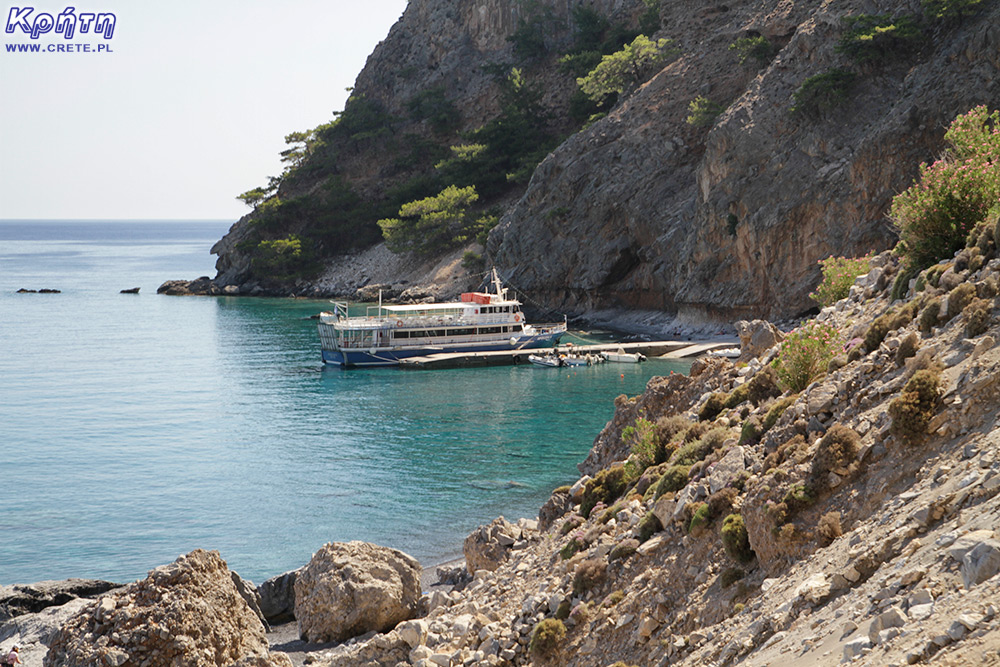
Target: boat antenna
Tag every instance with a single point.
(380, 303)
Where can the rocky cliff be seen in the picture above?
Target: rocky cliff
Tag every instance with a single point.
(731, 221)
(643, 210)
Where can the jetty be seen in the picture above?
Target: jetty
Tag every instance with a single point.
(660, 349)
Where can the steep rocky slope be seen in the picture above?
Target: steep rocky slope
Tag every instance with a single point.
(871, 539)
(731, 221)
(643, 210)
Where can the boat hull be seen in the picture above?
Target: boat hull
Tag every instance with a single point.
(392, 357)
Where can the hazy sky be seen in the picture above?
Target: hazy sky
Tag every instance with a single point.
(189, 109)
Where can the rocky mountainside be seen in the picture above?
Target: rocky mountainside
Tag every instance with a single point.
(730, 221)
(643, 210)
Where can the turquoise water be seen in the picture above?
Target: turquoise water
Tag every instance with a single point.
(134, 428)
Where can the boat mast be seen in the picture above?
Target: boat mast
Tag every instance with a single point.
(501, 291)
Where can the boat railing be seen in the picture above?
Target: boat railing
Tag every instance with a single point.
(413, 321)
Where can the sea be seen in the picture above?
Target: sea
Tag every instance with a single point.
(137, 427)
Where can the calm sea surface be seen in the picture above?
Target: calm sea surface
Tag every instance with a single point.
(134, 428)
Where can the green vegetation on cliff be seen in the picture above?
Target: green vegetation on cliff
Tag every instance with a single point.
(424, 150)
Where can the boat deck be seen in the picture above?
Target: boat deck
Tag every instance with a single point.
(666, 349)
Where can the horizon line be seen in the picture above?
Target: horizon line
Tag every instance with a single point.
(118, 220)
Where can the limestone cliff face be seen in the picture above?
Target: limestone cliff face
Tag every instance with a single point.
(637, 211)
(436, 44)
(644, 211)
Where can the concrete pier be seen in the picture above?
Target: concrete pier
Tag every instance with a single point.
(668, 349)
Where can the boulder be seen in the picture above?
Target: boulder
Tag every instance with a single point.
(249, 593)
(185, 613)
(489, 546)
(277, 597)
(349, 589)
(726, 470)
(981, 563)
(558, 504)
(757, 337)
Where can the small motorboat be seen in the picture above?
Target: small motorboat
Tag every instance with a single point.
(623, 357)
(548, 360)
(727, 352)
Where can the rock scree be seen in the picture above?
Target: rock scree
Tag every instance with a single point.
(348, 589)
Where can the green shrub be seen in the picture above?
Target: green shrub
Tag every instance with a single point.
(798, 497)
(739, 395)
(751, 431)
(282, 259)
(624, 549)
(694, 452)
(674, 479)
(730, 576)
(715, 404)
(839, 274)
(623, 71)
(805, 354)
(776, 410)
(735, 539)
(763, 386)
(978, 315)
(700, 517)
(823, 92)
(901, 285)
(610, 513)
(575, 545)
(435, 223)
(959, 298)
(648, 525)
(758, 48)
(951, 9)
(952, 195)
(875, 37)
(562, 611)
(721, 502)
(907, 348)
(929, 315)
(572, 523)
(913, 409)
(547, 638)
(434, 106)
(606, 486)
(614, 598)
(702, 112)
(696, 431)
(837, 449)
(642, 440)
(883, 324)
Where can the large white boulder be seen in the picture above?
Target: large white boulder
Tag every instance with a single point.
(349, 589)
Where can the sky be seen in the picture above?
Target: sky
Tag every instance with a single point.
(185, 106)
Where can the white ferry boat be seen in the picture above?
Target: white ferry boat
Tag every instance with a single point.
(480, 322)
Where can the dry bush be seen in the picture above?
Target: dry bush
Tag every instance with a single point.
(829, 527)
(589, 574)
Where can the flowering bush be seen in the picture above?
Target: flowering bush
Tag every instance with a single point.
(805, 355)
(839, 274)
(953, 194)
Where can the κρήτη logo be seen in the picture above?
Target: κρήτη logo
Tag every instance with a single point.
(67, 23)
